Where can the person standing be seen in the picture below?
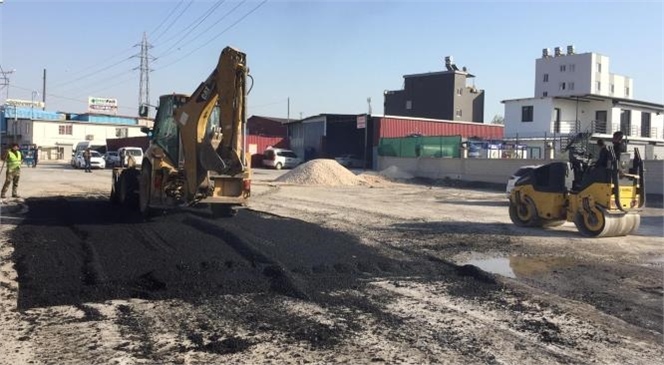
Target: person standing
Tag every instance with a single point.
(87, 155)
(619, 145)
(13, 160)
(603, 158)
(36, 158)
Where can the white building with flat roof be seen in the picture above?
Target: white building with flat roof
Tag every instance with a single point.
(578, 93)
(571, 74)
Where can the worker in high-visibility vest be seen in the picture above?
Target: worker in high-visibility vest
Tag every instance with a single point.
(13, 160)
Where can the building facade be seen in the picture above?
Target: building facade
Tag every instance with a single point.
(58, 133)
(444, 95)
(568, 74)
(578, 93)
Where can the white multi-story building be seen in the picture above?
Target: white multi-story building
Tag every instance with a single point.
(578, 93)
(573, 74)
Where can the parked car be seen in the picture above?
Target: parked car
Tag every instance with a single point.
(112, 158)
(350, 161)
(523, 170)
(96, 160)
(279, 158)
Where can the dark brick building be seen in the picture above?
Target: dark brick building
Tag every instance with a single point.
(266, 126)
(438, 95)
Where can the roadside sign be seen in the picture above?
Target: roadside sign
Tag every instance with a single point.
(361, 121)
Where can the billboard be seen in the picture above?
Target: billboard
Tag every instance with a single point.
(25, 103)
(102, 105)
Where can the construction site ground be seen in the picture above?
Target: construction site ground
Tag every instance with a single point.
(381, 273)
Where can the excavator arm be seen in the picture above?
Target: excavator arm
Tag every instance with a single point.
(219, 149)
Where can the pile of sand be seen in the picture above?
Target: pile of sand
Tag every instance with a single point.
(323, 172)
(395, 173)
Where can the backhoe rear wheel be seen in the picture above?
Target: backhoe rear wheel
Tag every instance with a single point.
(524, 214)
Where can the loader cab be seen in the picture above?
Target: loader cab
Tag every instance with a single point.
(165, 133)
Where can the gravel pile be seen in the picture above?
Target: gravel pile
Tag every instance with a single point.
(323, 172)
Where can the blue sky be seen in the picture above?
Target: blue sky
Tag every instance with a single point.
(326, 56)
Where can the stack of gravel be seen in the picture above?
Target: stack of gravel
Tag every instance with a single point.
(322, 172)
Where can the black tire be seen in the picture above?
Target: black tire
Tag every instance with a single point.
(278, 166)
(222, 211)
(128, 186)
(592, 227)
(145, 190)
(114, 198)
(524, 214)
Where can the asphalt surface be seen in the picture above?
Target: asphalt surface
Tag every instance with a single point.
(298, 279)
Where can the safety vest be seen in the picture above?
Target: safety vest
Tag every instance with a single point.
(14, 160)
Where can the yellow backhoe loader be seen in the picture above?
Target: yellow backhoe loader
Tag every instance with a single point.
(602, 201)
(197, 151)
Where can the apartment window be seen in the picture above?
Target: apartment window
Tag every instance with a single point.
(571, 86)
(409, 104)
(65, 129)
(599, 86)
(546, 77)
(545, 94)
(562, 86)
(459, 113)
(645, 124)
(121, 132)
(626, 91)
(613, 88)
(563, 68)
(599, 67)
(572, 68)
(459, 91)
(527, 113)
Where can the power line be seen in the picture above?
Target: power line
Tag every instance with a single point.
(216, 36)
(92, 73)
(173, 22)
(197, 22)
(63, 97)
(167, 16)
(218, 20)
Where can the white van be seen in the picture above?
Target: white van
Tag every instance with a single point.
(279, 158)
(135, 152)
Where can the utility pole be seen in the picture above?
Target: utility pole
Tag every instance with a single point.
(144, 82)
(4, 79)
(366, 132)
(44, 92)
(288, 110)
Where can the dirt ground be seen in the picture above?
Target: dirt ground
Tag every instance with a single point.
(385, 273)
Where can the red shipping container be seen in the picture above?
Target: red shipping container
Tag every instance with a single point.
(258, 144)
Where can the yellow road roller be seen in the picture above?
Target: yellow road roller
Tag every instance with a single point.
(602, 201)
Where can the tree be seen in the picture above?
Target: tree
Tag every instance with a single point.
(498, 119)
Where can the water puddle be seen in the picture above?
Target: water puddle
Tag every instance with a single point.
(519, 266)
(499, 266)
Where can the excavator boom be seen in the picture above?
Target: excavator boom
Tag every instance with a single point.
(218, 149)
